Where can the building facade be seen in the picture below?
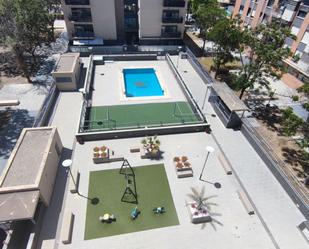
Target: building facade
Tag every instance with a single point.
(126, 21)
(291, 13)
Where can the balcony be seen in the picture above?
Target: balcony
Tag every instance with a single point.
(174, 3)
(175, 34)
(177, 19)
(83, 35)
(77, 2)
(80, 18)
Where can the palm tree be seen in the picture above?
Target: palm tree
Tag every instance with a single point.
(202, 203)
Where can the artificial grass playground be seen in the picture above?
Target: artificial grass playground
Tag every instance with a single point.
(152, 189)
(140, 115)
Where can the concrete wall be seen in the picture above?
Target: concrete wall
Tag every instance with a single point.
(150, 18)
(46, 184)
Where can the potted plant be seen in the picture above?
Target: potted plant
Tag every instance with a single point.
(151, 145)
(96, 149)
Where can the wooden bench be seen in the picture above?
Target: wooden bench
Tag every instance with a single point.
(135, 149)
(184, 173)
(245, 201)
(225, 164)
(74, 188)
(67, 228)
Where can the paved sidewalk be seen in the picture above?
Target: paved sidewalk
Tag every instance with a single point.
(31, 98)
(66, 119)
(278, 212)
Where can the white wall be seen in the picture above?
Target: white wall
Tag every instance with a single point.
(103, 18)
(150, 18)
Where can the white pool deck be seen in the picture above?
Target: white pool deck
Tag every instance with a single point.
(109, 84)
(273, 226)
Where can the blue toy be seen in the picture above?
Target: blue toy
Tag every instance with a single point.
(159, 210)
(135, 213)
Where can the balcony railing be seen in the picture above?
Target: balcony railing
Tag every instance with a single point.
(175, 34)
(178, 19)
(83, 35)
(77, 2)
(80, 18)
(174, 3)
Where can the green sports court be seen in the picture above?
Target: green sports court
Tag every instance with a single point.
(139, 115)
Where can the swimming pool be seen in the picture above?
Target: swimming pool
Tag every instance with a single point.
(141, 82)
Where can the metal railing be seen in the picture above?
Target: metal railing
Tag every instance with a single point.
(80, 18)
(44, 111)
(110, 124)
(77, 2)
(134, 49)
(174, 3)
(176, 19)
(199, 68)
(175, 34)
(88, 78)
(183, 85)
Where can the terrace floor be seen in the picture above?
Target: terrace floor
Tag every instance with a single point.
(273, 226)
(109, 84)
(237, 229)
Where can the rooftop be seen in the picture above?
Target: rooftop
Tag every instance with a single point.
(229, 97)
(274, 224)
(66, 63)
(26, 162)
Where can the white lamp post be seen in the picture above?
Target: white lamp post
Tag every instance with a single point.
(67, 164)
(209, 150)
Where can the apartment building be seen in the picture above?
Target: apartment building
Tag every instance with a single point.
(126, 21)
(291, 13)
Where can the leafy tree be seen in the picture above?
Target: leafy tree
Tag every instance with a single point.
(305, 89)
(54, 9)
(226, 35)
(24, 25)
(207, 15)
(265, 47)
(291, 123)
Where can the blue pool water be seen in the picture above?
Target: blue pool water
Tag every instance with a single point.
(142, 82)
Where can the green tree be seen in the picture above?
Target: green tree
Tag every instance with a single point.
(207, 15)
(24, 25)
(265, 48)
(226, 35)
(291, 123)
(54, 10)
(305, 90)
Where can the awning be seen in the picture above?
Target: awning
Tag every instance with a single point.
(18, 205)
(230, 99)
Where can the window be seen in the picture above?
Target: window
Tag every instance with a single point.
(249, 10)
(294, 30)
(63, 79)
(241, 9)
(270, 3)
(170, 13)
(130, 23)
(301, 14)
(81, 15)
(83, 30)
(306, 38)
(169, 29)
